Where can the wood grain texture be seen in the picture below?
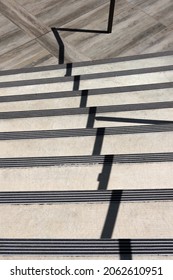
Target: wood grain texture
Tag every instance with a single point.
(26, 38)
(158, 9)
(22, 18)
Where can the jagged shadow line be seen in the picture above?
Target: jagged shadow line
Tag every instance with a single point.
(82, 30)
(109, 25)
(130, 120)
(61, 45)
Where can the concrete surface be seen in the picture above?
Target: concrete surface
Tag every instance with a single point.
(70, 220)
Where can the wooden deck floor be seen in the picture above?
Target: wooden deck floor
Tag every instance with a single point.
(26, 38)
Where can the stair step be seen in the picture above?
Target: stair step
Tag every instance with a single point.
(53, 197)
(85, 160)
(164, 126)
(98, 66)
(109, 119)
(90, 81)
(105, 98)
(76, 146)
(75, 183)
(87, 110)
(116, 92)
(81, 177)
(86, 247)
(73, 221)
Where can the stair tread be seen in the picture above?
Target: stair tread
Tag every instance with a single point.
(86, 110)
(86, 199)
(165, 126)
(82, 220)
(86, 76)
(66, 68)
(91, 92)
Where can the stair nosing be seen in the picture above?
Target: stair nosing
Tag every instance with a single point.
(85, 132)
(111, 196)
(90, 92)
(86, 246)
(85, 63)
(109, 159)
(41, 81)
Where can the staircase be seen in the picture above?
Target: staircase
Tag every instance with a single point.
(86, 159)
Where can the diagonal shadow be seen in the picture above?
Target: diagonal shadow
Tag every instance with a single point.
(76, 82)
(61, 45)
(113, 209)
(69, 67)
(84, 98)
(130, 120)
(91, 117)
(111, 16)
(81, 30)
(98, 141)
(125, 249)
(103, 179)
(104, 176)
(111, 214)
(109, 25)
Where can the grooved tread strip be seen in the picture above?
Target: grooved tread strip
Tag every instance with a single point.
(65, 94)
(86, 76)
(85, 246)
(85, 63)
(85, 160)
(81, 132)
(86, 196)
(87, 110)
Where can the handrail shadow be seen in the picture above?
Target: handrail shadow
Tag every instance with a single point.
(103, 179)
(61, 45)
(131, 120)
(109, 25)
(60, 41)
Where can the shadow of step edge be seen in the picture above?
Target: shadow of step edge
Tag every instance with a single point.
(86, 110)
(84, 132)
(29, 162)
(91, 92)
(86, 247)
(97, 66)
(89, 77)
(52, 197)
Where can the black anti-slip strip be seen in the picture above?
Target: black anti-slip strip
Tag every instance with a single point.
(86, 196)
(83, 132)
(86, 63)
(77, 247)
(84, 160)
(87, 110)
(86, 76)
(90, 92)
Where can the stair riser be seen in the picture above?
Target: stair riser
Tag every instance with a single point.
(89, 101)
(81, 121)
(118, 144)
(101, 68)
(133, 95)
(148, 78)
